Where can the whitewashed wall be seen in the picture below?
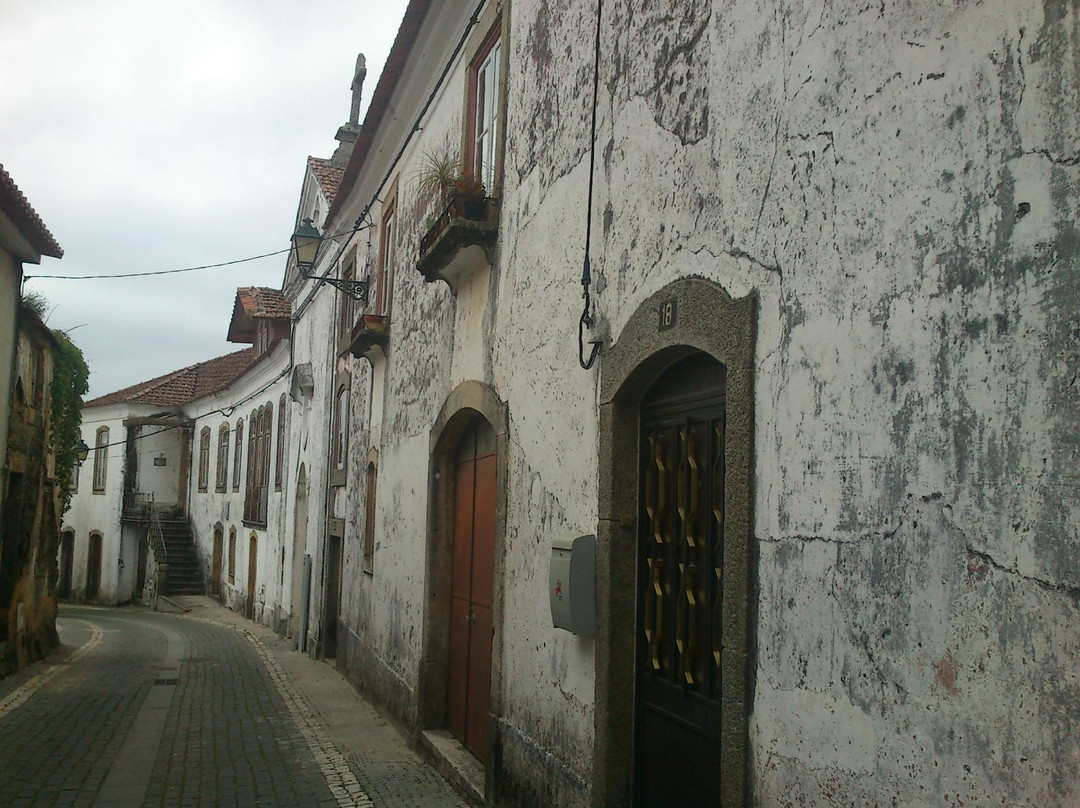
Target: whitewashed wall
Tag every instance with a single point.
(261, 385)
(313, 341)
(898, 184)
(91, 511)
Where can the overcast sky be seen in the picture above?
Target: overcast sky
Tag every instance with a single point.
(154, 136)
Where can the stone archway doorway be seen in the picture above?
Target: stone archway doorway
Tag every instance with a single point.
(663, 382)
(459, 689)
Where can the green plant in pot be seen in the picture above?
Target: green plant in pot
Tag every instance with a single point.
(459, 190)
(468, 195)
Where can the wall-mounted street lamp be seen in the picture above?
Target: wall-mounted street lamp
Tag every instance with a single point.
(82, 451)
(306, 243)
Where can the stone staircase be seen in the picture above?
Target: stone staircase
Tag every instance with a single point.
(185, 571)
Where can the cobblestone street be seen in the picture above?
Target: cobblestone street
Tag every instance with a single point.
(139, 708)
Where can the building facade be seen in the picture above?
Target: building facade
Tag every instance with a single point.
(29, 506)
(825, 442)
(815, 411)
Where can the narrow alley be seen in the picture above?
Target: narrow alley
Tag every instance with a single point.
(140, 708)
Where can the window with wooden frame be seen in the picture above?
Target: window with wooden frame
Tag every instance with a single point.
(232, 555)
(279, 457)
(252, 461)
(256, 497)
(222, 476)
(387, 251)
(349, 307)
(101, 459)
(268, 428)
(340, 448)
(484, 109)
(204, 458)
(237, 453)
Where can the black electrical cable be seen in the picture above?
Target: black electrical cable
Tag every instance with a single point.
(158, 272)
(586, 320)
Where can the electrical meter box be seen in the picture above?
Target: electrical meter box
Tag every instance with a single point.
(572, 584)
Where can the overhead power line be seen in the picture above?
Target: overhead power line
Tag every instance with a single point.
(159, 272)
(339, 234)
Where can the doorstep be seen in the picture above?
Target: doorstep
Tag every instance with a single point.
(454, 762)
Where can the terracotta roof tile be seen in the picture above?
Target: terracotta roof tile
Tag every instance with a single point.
(328, 175)
(184, 385)
(16, 207)
(262, 301)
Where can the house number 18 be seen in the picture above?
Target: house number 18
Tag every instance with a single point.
(667, 315)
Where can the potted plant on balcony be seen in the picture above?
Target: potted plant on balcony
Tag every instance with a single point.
(458, 189)
(466, 197)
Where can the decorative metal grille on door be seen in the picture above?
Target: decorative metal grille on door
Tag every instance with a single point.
(680, 586)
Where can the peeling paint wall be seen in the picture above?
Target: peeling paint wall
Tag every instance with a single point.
(897, 182)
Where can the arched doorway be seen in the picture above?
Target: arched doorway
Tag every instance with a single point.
(472, 587)
(93, 567)
(215, 567)
(675, 508)
(461, 670)
(67, 560)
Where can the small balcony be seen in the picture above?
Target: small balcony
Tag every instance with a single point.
(370, 332)
(461, 241)
(137, 506)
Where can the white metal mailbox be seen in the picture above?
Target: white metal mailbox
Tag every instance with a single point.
(572, 584)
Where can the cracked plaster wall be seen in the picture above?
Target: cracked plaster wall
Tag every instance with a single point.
(899, 183)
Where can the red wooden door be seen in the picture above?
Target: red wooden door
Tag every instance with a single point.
(472, 589)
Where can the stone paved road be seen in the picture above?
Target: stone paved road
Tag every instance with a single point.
(146, 709)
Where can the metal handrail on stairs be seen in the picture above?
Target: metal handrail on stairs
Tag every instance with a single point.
(157, 538)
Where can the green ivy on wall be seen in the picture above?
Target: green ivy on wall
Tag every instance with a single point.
(70, 381)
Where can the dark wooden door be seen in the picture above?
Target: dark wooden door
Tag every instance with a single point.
(67, 556)
(215, 569)
(331, 605)
(253, 558)
(680, 580)
(472, 589)
(93, 567)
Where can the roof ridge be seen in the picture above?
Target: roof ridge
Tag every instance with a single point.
(146, 388)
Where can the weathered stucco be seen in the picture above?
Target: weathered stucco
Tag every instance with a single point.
(889, 191)
(897, 185)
